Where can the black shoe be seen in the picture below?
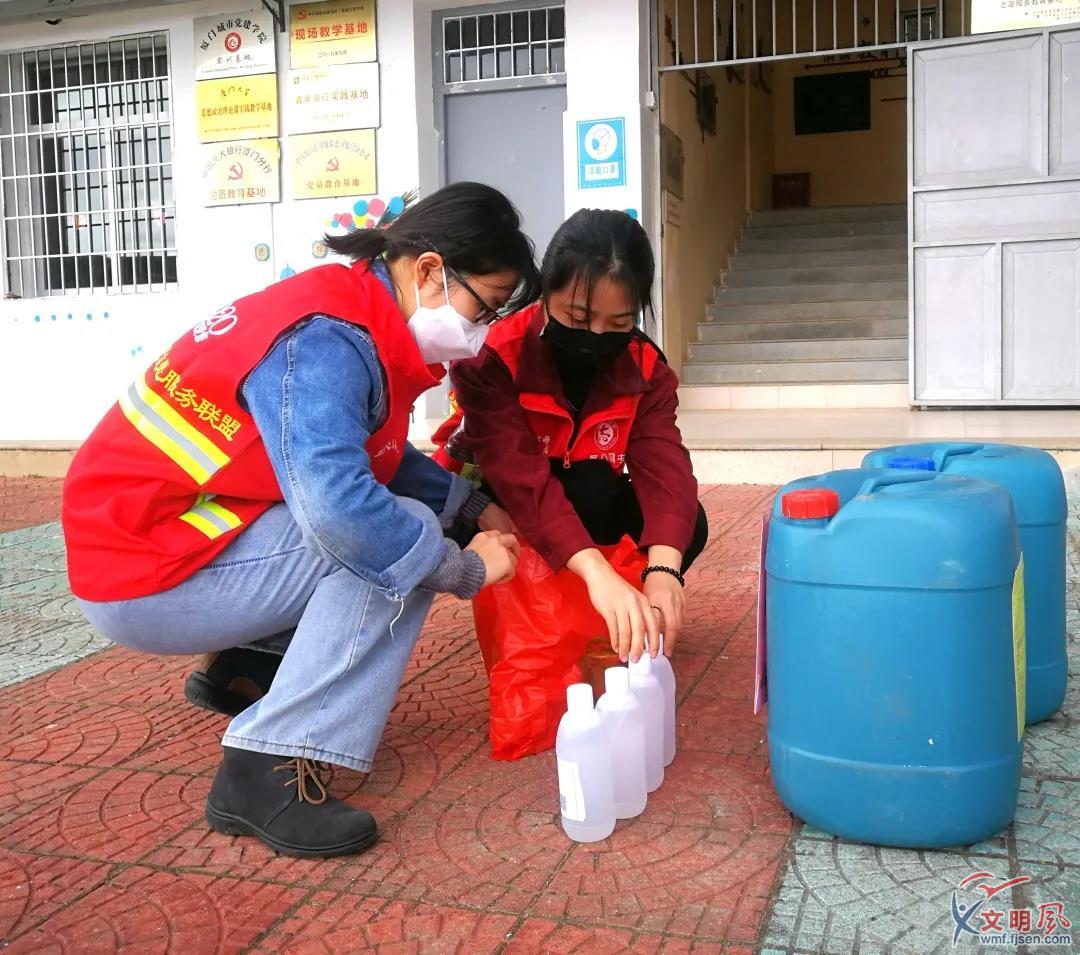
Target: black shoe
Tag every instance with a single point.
(283, 802)
(230, 681)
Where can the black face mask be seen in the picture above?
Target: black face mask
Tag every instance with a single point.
(585, 348)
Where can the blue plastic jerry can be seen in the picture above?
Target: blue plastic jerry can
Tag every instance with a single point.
(895, 656)
(1034, 480)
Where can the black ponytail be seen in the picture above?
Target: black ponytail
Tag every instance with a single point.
(362, 244)
(597, 243)
(474, 227)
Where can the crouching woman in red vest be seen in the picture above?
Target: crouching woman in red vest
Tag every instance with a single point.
(565, 398)
(256, 487)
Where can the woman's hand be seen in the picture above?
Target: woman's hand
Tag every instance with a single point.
(494, 518)
(664, 593)
(633, 625)
(499, 552)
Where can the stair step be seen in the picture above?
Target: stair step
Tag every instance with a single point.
(719, 332)
(857, 243)
(822, 275)
(807, 311)
(802, 260)
(790, 294)
(831, 214)
(825, 230)
(799, 351)
(792, 372)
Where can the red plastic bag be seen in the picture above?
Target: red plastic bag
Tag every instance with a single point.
(538, 634)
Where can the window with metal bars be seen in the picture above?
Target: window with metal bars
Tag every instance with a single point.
(86, 183)
(496, 46)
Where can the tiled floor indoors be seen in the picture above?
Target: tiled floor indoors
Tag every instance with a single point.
(105, 768)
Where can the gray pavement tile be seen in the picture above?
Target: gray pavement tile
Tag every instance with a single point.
(1052, 748)
(32, 654)
(843, 898)
(24, 535)
(1050, 884)
(41, 627)
(1047, 823)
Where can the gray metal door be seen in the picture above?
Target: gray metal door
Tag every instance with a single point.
(512, 139)
(500, 96)
(994, 174)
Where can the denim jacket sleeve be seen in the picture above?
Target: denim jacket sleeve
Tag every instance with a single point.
(316, 398)
(420, 478)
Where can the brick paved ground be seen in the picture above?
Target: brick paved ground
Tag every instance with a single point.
(102, 842)
(28, 501)
(102, 845)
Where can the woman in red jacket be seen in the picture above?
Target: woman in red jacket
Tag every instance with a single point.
(565, 398)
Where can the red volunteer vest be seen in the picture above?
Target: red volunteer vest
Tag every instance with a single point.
(177, 468)
(602, 436)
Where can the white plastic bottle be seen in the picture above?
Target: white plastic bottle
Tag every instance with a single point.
(651, 696)
(583, 752)
(666, 676)
(624, 720)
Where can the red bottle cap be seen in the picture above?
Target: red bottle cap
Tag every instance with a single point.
(810, 504)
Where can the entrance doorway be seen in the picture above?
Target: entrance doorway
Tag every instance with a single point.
(500, 95)
(785, 226)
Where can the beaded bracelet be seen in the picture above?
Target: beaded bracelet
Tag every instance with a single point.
(658, 568)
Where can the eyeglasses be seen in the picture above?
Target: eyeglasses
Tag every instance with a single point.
(487, 314)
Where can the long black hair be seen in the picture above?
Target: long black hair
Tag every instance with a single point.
(474, 227)
(601, 243)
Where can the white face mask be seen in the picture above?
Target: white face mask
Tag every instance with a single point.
(443, 334)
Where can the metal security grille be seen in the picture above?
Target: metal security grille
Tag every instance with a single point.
(86, 183)
(710, 33)
(504, 45)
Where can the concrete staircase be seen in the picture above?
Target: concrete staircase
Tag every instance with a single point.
(812, 296)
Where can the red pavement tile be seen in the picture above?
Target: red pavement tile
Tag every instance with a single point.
(26, 785)
(195, 749)
(718, 792)
(80, 734)
(691, 881)
(34, 888)
(117, 816)
(112, 673)
(718, 725)
(109, 765)
(25, 501)
(146, 911)
(452, 693)
(328, 923)
(541, 936)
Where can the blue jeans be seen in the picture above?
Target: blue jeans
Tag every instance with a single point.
(345, 642)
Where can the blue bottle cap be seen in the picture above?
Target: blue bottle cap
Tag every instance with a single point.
(911, 464)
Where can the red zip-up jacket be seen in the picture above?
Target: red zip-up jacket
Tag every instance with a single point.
(496, 434)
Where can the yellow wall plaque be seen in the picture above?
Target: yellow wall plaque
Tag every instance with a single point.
(240, 173)
(322, 165)
(331, 32)
(240, 107)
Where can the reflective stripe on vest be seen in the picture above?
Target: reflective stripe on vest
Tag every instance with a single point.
(210, 518)
(166, 429)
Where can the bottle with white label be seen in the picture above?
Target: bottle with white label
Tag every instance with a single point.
(583, 752)
(665, 675)
(651, 697)
(624, 720)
